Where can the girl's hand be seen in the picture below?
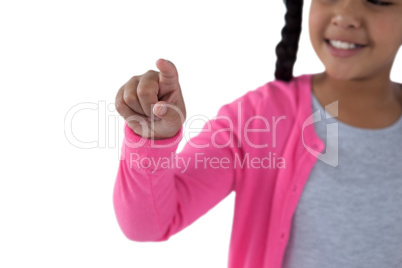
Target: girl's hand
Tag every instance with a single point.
(152, 103)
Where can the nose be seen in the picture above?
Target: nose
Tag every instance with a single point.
(346, 15)
(346, 21)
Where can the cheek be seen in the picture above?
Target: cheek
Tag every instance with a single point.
(317, 32)
(313, 18)
(389, 38)
(316, 21)
(386, 44)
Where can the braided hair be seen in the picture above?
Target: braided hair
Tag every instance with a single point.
(286, 50)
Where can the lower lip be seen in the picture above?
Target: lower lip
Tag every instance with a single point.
(343, 53)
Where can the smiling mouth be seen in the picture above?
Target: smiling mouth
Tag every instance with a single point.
(357, 45)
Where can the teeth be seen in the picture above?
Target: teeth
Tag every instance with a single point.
(342, 45)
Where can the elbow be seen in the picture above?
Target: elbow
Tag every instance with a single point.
(138, 230)
(144, 238)
(137, 221)
(140, 235)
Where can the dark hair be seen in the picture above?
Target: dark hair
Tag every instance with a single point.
(286, 50)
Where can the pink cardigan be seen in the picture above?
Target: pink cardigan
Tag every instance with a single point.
(262, 146)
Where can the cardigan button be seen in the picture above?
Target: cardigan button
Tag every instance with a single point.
(295, 188)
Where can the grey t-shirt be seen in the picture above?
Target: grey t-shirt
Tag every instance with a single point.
(350, 215)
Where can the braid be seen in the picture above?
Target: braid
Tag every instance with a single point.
(286, 49)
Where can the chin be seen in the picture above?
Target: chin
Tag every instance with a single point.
(345, 76)
(342, 74)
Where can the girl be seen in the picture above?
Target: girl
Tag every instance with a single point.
(311, 191)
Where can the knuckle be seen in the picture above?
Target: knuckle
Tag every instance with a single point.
(145, 91)
(151, 72)
(135, 77)
(129, 98)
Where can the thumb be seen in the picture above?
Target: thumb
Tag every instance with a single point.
(168, 72)
(168, 112)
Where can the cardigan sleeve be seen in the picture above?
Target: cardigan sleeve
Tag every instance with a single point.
(159, 192)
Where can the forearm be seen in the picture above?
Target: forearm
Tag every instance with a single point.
(144, 194)
(153, 200)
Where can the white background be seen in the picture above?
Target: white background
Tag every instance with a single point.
(55, 196)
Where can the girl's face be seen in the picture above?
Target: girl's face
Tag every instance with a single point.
(366, 22)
